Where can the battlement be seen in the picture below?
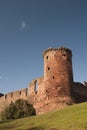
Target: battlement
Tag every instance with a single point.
(60, 49)
(13, 96)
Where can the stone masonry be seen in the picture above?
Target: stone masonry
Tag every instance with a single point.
(56, 89)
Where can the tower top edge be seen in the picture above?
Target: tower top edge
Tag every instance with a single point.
(62, 48)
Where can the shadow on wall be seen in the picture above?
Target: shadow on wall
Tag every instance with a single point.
(80, 92)
(1, 94)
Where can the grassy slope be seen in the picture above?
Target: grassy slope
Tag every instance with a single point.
(71, 118)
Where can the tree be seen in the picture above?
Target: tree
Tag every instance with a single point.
(21, 108)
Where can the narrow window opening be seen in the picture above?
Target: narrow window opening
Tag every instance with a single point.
(36, 86)
(53, 77)
(20, 93)
(64, 55)
(48, 68)
(26, 91)
(5, 96)
(46, 57)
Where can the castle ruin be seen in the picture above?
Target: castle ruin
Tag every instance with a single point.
(56, 89)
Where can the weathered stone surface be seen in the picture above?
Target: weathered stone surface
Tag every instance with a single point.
(58, 75)
(56, 89)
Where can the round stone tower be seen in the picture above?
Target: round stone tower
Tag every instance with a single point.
(58, 75)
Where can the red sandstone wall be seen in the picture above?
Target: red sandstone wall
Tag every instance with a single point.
(12, 97)
(56, 89)
(58, 76)
(36, 87)
(32, 94)
(36, 95)
(51, 91)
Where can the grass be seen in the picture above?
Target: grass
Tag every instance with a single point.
(70, 118)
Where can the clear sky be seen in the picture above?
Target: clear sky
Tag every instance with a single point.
(28, 27)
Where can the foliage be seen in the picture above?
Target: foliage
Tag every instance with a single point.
(21, 108)
(70, 118)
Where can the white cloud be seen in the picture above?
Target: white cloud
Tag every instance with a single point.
(23, 25)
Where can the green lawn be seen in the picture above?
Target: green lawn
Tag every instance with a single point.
(70, 118)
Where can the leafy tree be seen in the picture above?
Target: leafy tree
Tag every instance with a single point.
(21, 108)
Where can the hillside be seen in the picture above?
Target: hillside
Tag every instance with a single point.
(70, 118)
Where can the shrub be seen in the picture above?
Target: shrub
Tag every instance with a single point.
(21, 108)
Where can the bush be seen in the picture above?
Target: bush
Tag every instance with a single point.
(21, 108)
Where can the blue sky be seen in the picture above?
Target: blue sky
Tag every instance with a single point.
(28, 27)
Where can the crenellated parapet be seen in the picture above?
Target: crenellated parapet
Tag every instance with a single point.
(62, 50)
(13, 96)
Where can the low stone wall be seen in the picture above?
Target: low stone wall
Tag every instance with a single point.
(33, 93)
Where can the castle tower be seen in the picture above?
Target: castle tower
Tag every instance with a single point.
(58, 75)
